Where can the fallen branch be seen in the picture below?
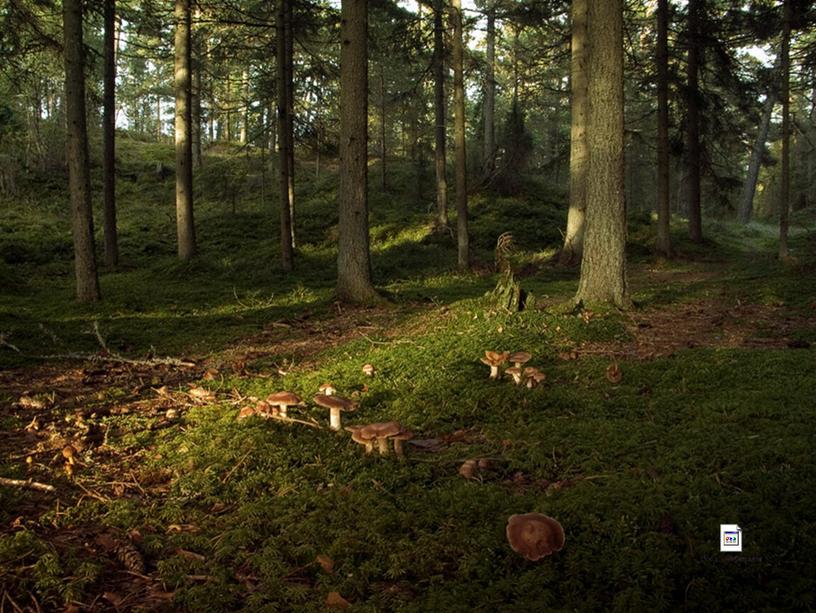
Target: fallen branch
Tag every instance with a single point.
(28, 484)
(95, 357)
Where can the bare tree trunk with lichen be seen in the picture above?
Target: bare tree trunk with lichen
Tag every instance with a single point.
(439, 114)
(185, 225)
(462, 238)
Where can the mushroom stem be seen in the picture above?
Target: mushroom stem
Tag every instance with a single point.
(369, 446)
(334, 418)
(382, 442)
(494, 372)
(282, 410)
(398, 448)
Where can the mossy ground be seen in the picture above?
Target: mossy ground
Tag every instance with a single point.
(713, 423)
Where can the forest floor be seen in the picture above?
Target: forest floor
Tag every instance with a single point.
(163, 500)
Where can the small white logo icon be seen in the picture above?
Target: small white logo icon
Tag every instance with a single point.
(730, 537)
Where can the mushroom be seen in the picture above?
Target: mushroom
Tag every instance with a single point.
(614, 373)
(335, 404)
(534, 535)
(283, 400)
(515, 372)
(520, 357)
(534, 376)
(246, 412)
(495, 359)
(328, 389)
(357, 437)
(382, 432)
(369, 370)
(405, 435)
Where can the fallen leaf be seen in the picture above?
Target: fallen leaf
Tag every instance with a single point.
(326, 563)
(336, 601)
(190, 555)
(27, 402)
(112, 598)
(613, 373)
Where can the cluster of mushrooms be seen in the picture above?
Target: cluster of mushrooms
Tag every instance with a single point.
(529, 375)
(277, 405)
(531, 535)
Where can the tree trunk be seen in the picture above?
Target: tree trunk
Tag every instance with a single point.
(197, 64)
(284, 143)
(746, 206)
(462, 238)
(383, 151)
(158, 119)
(784, 192)
(603, 266)
(574, 238)
(242, 135)
(695, 227)
(290, 110)
(439, 114)
(79, 180)
(185, 227)
(109, 137)
(353, 256)
(663, 210)
(228, 110)
(490, 94)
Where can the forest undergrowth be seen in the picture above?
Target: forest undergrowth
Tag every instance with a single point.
(167, 501)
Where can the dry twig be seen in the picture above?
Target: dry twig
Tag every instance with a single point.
(28, 484)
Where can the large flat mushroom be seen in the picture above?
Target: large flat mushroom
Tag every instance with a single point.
(283, 400)
(534, 535)
(495, 359)
(335, 404)
(399, 438)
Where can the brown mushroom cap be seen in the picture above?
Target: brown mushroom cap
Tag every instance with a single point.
(384, 429)
(495, 358)
(520, 357)
(283, 399)
(534, 535)
(534, 374)
(334, 402)
(368, 369)
(515, 372)
(246, 412)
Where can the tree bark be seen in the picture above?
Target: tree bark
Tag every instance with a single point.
(383, 149)
(784, 192)
(109, 136)
(489, 163)
(746, 206)
(695, 227)
(603, 266)
(79, 181)
(284, 142)
(663, 244)
(185, 227)
(462, 238)
(242, 135)
(574, 237)
(353, 254)
(439, 115)
(290, 110)
(197, 64)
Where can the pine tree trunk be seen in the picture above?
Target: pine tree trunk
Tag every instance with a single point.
(490, 94)
(663, 177)
(79, 180)
(353, 256)
(784, 192)
(158, 119)
(284, 143)
(109, 137)
(197, 65)
(440, 120)
(603, 266)
(462, 238)
(383, 150)
(185, 226)
(242, 135)
(695, 228)
(574, 237)
(746, 206)
(290, 111)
